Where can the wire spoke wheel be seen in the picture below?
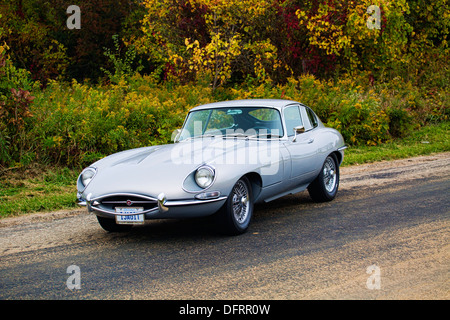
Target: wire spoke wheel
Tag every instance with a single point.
(236, 214)
(325, 186)
(329, 175)
(240, 206)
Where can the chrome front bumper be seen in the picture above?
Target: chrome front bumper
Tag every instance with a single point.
(162, 208)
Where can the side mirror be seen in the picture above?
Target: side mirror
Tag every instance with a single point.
(298, 130)
(176, 135)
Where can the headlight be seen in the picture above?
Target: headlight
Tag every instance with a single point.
(204, 176)
(86, 177)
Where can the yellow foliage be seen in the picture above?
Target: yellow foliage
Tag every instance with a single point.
(227, 21)
(343, 36)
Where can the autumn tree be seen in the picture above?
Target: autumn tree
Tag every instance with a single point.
(223, 38)
(40, 41)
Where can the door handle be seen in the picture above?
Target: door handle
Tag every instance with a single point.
(311, 140)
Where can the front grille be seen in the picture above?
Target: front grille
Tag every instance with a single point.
(111, 202)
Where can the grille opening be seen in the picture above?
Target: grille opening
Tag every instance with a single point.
(111, 202)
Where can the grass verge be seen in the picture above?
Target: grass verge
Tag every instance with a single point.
(37, 189)
(45, 189)
(427, 140)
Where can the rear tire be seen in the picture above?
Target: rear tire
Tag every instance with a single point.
(325, 186)
(235, 216)
(110, 225)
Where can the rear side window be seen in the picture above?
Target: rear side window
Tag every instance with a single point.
(312, 117)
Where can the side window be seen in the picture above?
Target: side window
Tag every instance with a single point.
(292, 119)
(310, 119)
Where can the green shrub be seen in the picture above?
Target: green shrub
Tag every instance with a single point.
(76, 124)
(400, 122)
(15, 102)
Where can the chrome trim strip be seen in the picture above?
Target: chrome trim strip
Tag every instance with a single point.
(342, 148)
(126, 195)
(156, 209)
(175, 203)
(124, 202)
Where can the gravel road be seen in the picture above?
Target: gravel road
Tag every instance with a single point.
(385, 236)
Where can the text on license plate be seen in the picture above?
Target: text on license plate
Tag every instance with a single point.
(129, 215)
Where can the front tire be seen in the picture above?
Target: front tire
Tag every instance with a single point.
(325, 186)
(236, 214)
(110, 225)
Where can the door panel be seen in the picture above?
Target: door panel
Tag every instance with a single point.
(302, 147)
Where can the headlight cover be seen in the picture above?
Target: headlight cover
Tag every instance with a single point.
(86, 177)
(204, 176)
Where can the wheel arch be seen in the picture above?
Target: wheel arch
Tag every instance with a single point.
(338, 156)
(255, 183)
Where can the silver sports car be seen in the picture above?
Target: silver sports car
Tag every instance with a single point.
(227, 157)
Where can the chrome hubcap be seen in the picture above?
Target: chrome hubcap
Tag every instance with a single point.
(329, 175)
(241, 206)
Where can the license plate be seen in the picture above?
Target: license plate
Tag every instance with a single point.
(126, 215)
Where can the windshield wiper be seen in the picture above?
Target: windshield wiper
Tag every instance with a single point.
(267, 135)
(203, 136)
(236, 134)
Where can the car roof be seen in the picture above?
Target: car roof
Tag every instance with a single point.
(274, 103)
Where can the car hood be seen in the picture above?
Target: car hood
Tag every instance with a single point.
(156, 169)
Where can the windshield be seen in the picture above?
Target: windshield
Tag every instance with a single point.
(233, 122)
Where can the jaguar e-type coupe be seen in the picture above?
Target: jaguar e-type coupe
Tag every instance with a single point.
(226, 157)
